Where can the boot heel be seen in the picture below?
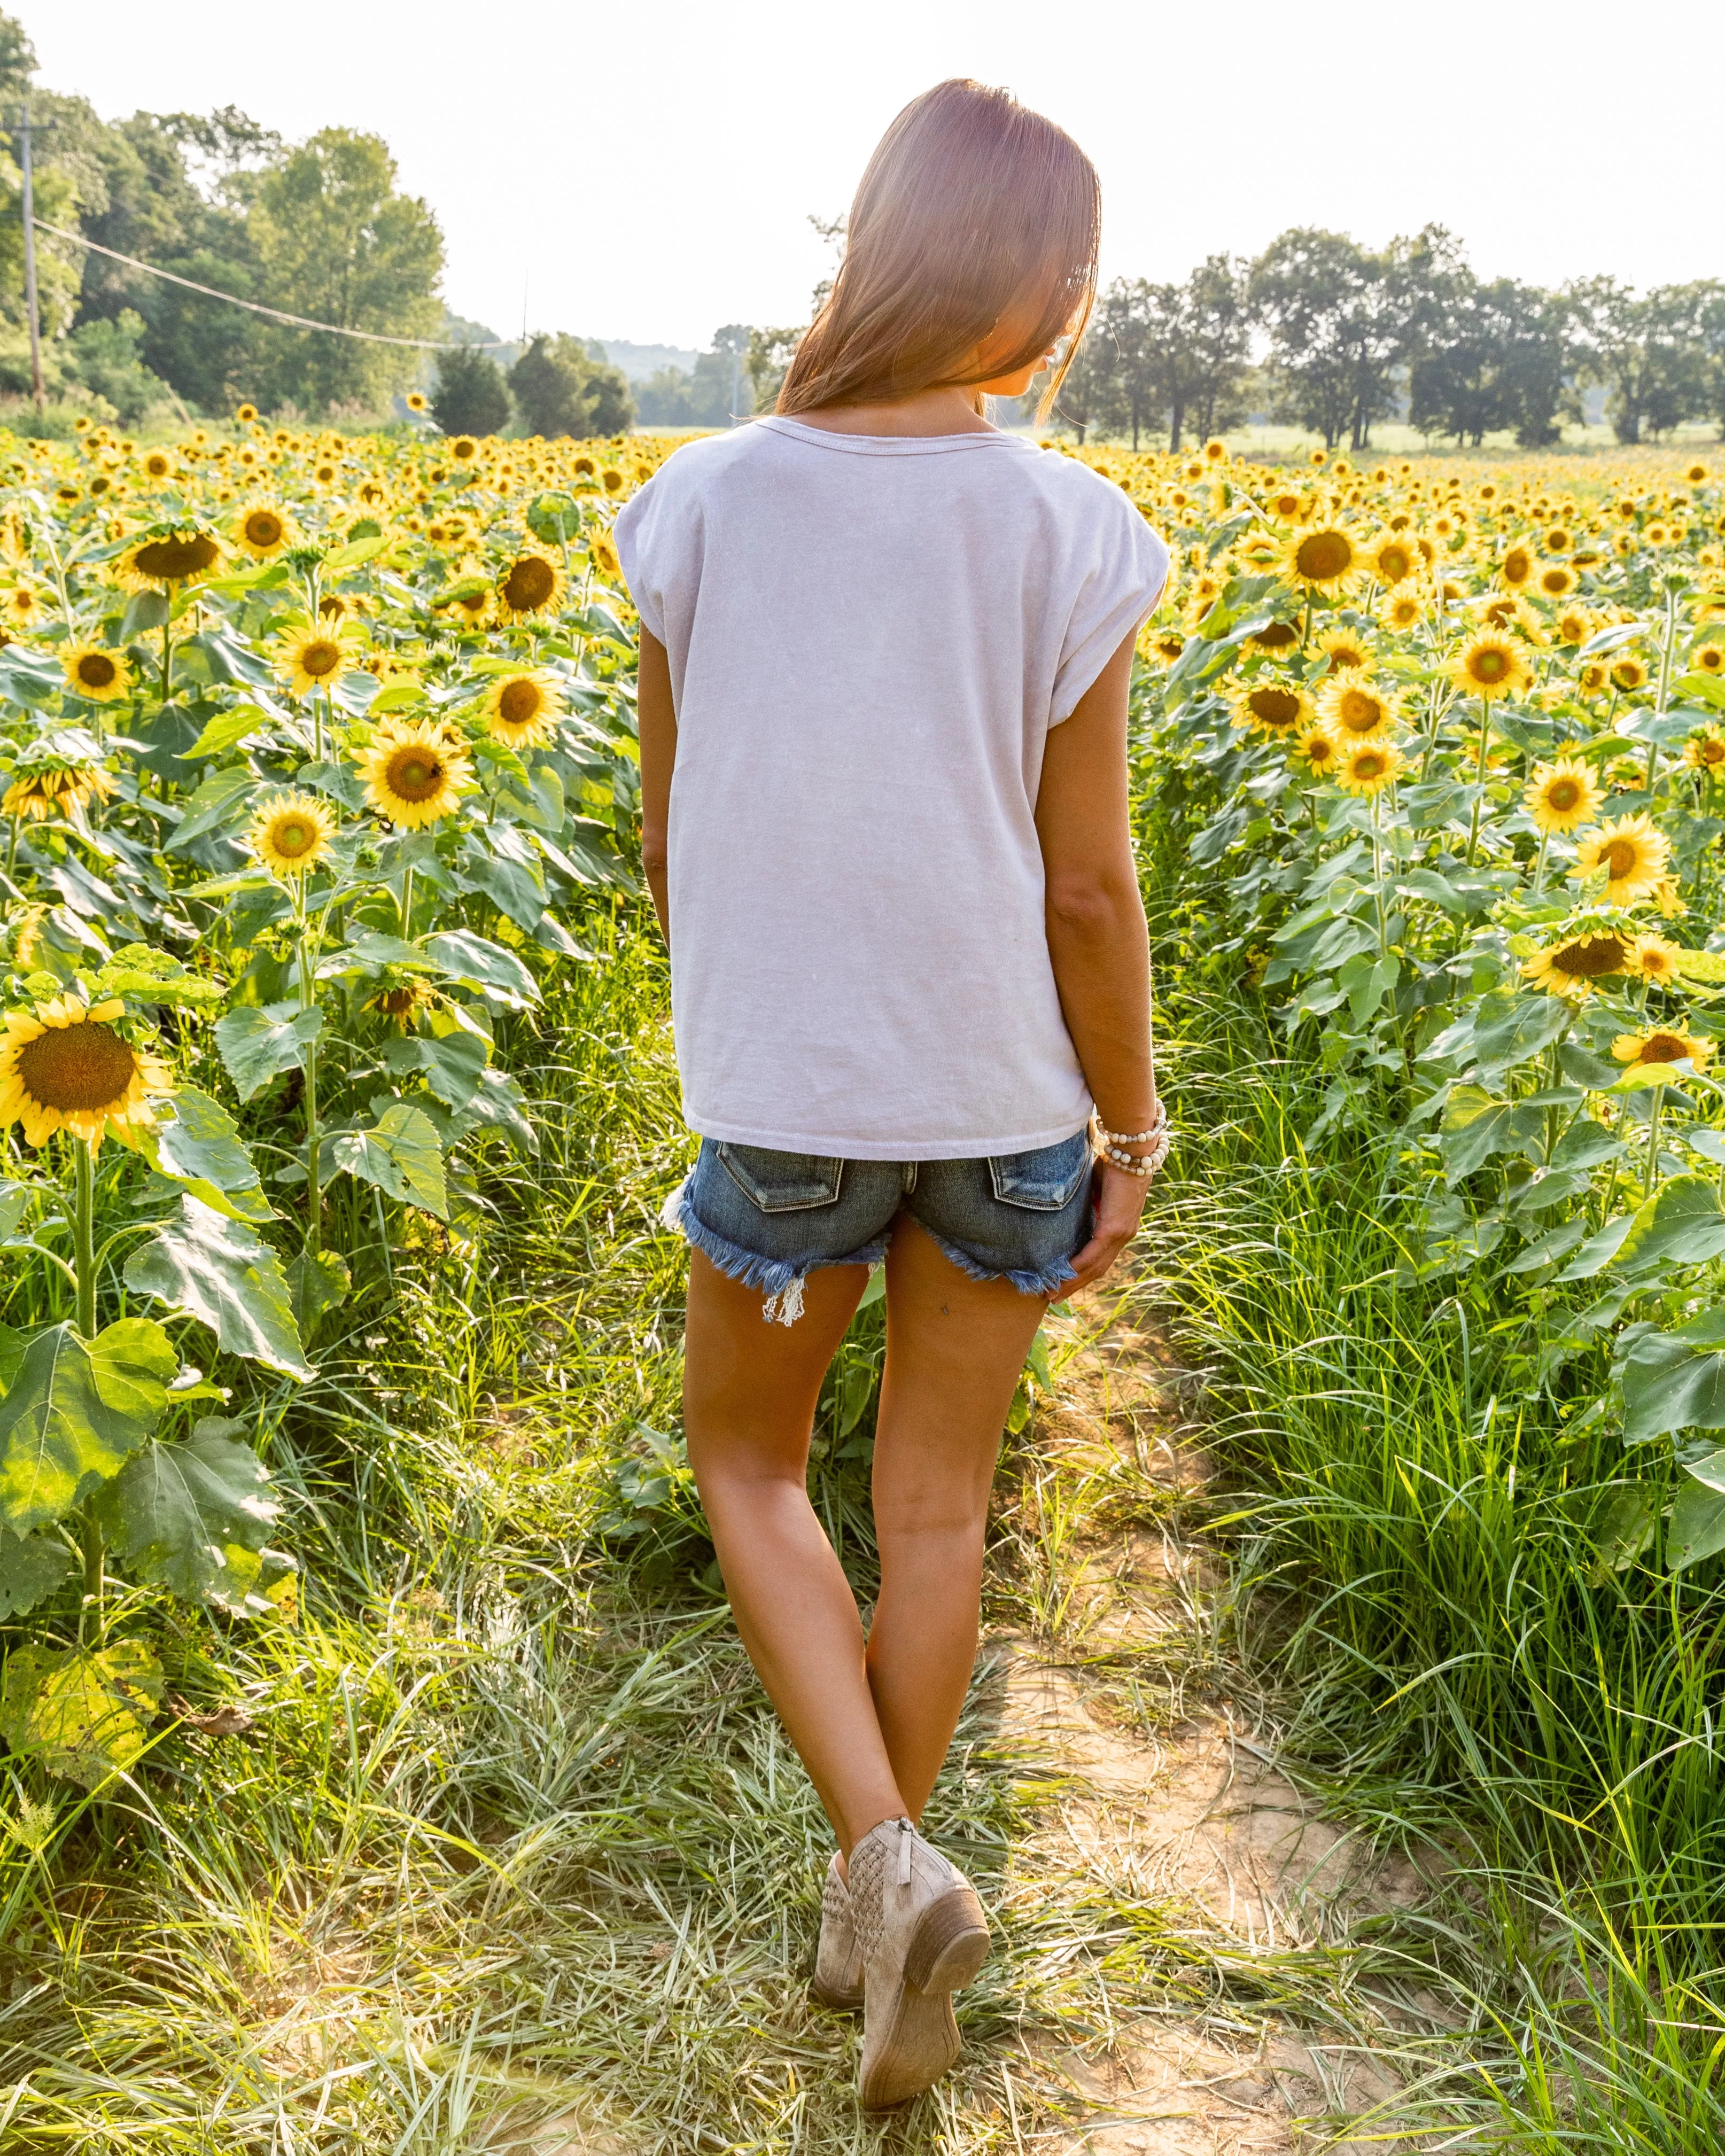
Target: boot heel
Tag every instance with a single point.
(949, 1944)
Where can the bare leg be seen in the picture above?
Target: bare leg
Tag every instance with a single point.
(749, 1392)
(954, 1349)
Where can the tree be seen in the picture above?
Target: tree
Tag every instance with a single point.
(1090, 394)
(1217, 327)
(104, 359)
(769, 355)
(334, 241)
(1336, 326)
(1649, 353)
(1708, 301)
(471, 395)
(561, 388)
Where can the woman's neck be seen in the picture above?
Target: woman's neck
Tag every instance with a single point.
(929, 411)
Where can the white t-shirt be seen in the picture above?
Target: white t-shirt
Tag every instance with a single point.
(870, 637)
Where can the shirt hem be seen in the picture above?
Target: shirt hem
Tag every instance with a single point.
(828, 1145)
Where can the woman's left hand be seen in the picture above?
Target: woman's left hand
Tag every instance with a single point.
(1119, 1203)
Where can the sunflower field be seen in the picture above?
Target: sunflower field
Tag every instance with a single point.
(316, 754)
(366, 1723)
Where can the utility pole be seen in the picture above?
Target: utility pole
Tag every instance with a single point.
(22, 129)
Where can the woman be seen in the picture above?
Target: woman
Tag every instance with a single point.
(885, 656)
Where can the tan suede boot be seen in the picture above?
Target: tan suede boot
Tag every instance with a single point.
(838, 1979)
(922, 1935)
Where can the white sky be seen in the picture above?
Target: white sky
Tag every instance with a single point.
(646, 171)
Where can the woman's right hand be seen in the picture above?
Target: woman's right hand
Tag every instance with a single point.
(1119, 1201)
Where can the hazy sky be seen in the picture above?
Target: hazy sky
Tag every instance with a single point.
(645, 171)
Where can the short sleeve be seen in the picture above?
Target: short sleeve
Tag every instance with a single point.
(658, 545)
(1124, 566)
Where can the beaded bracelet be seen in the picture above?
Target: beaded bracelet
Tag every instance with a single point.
(1111, 1145)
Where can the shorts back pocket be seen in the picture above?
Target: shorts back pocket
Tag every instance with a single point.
(782, 1182)
(1045, 1181)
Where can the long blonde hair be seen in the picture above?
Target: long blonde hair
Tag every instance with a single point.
(973, 208)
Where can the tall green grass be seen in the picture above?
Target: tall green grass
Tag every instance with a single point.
(1471, 1666)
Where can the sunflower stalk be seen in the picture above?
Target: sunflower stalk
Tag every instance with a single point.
(1651, 1169)
(1479, 780)
(84, 1267)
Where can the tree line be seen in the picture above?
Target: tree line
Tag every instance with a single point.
(1334, 337)
(318, 229)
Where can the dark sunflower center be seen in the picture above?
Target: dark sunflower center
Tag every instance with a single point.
(1664, 1048)
(1360, 712)
(1491, 665)
(1325, 555)
(1620, 857)
(1712, 660)
(323, 657)
(74, 1067)
(1591, 958)
(1368, 764)
(96, 670)
(1394, 564)
(167, 560)
(1563, 794)
(293, 835)
(529, 584)
(414, 774)
(1278, 636)
(1273, 707)
(1515, 566)
(520, 703)
(262, 527)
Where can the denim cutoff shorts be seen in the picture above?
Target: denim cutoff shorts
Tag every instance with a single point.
(768, 1219)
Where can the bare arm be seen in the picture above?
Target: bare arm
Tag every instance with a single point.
(1097, 939)
(657, 718)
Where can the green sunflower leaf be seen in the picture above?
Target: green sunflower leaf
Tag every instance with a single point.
(401, 1155)
(75, 1413)
(176, 1513)
(84, 1715)
(218, 1270)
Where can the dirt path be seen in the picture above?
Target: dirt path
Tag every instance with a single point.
(1171, 1809)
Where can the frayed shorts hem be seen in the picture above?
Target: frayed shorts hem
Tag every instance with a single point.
(780, 1280)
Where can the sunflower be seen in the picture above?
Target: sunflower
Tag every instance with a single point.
(1269, 708)
(157, 465)
(1490, 664)
(1368, 767)
(1705, 750)
(531, 585)
(63, 1067)
(1593, 680)
(246, 415)
(168, 554)
(1323, 557)
(463, 449)
(50, 786)
(471, 600)
(313, 657)
(1634, 855)
(1562, 795)
(264, 530)
(97, 674)
(520, 708)
(1574, 624)
(402, 998)
(1555, 580)
(1669, 899)
(290, 832)
(22, 605)
(1276, 636)
(1345, 649)
(416, 400)
(1573, 968)
(1643, 1051)
(414, 775)
(1696, 475)
(1656, 959)
(1401, 612)
(1393, 560)
(1515, 568)
(1708, 659)
(1628, 674)
(1356, 711)
(1316, 750)
(1557, 539)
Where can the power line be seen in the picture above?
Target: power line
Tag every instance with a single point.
(256, 307)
